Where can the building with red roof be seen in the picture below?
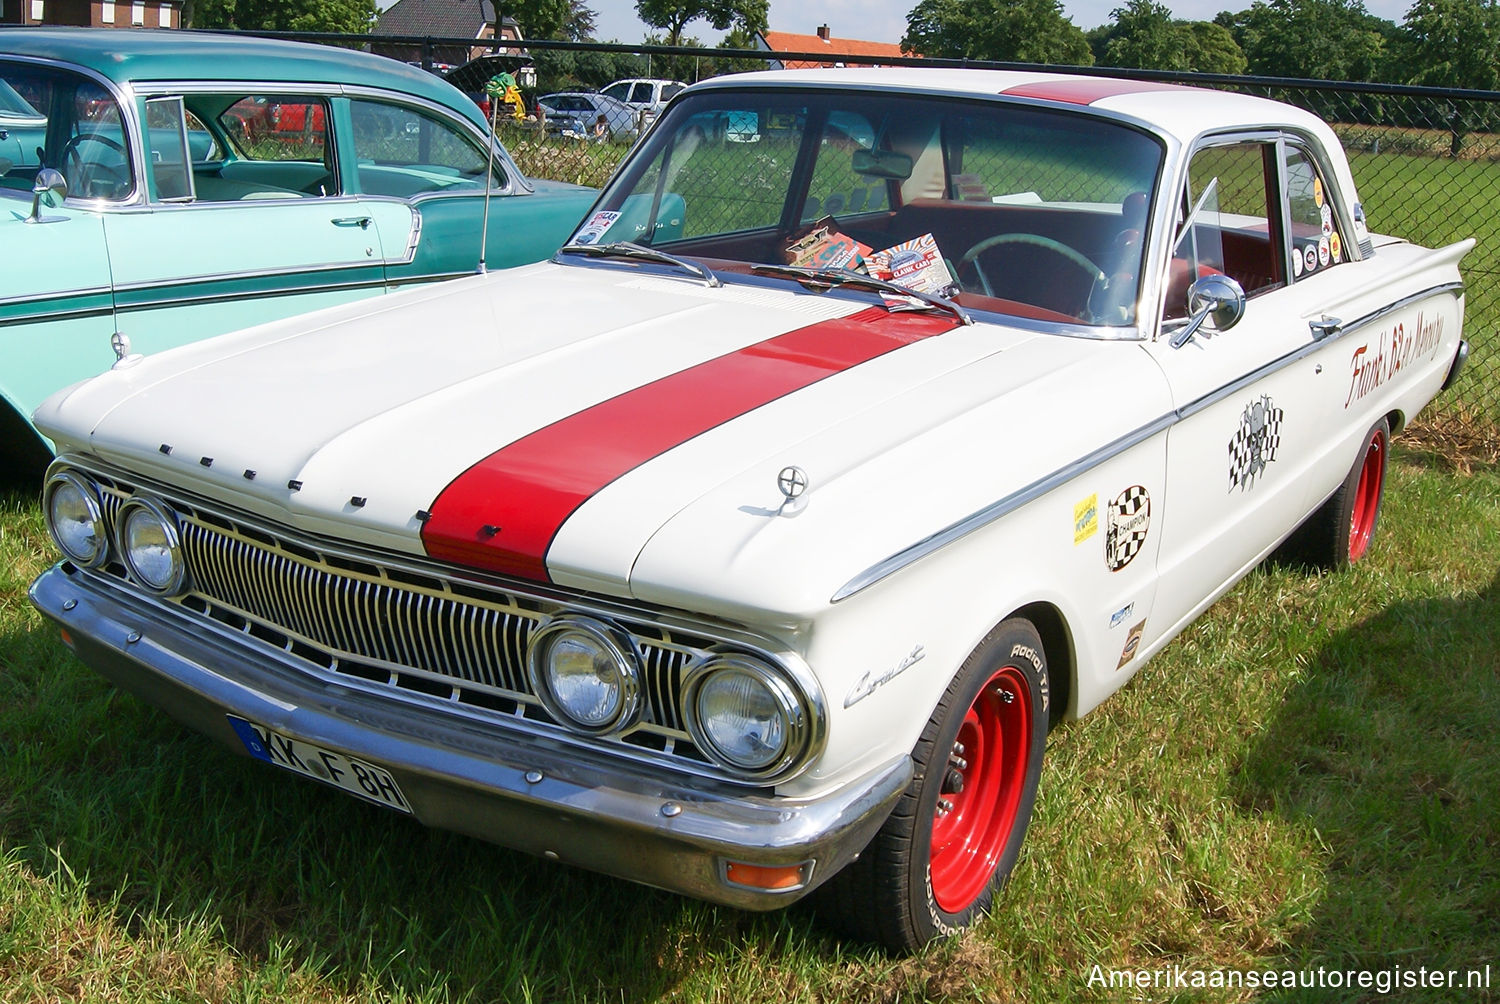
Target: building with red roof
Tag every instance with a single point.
(823, 41)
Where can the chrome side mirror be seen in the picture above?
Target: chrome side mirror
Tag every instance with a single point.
(49, 182)
(1215, 299)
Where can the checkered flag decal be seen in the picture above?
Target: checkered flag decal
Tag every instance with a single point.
(1255, 443)
(1129, 522)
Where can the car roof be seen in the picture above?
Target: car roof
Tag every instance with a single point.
(1175, 109)
(125, 57)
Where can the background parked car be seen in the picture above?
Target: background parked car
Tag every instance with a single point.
(646, 95)
(279, 178)
(576, 113)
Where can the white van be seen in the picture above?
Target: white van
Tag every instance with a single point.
(646, 95)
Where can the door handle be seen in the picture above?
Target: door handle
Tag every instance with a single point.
(1325, 327)
(363, 222)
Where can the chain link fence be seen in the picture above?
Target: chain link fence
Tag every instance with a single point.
(1426, 160)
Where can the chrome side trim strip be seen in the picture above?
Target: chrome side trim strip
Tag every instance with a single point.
(1062, 475)
(47, 317)
(158, 303)
(61, 294)
(262, 273)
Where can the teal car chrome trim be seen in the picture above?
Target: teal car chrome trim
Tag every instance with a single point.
(137, 300)
(62, 294)
(1063, 475)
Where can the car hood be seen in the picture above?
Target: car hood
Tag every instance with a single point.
(612, 428)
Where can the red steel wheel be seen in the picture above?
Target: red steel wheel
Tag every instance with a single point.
(1366, 508)
(955, 834)
(981, 791)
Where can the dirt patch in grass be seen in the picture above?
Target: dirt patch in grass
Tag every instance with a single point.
(1457, 440)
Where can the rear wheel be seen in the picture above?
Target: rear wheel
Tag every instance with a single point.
(1339, 533)
(934, 867)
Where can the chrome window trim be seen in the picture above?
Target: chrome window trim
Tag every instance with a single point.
(1036, 489)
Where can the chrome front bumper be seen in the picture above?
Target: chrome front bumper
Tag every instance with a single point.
(565, 803)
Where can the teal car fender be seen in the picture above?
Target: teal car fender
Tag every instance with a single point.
(214, 183)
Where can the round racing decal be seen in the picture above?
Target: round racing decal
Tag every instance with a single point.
(1129, 521)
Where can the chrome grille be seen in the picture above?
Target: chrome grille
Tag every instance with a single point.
(398, 628)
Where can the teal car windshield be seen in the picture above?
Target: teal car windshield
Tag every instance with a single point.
(999, 205)
(67, 122)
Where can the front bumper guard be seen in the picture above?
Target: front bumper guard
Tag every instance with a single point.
(549, 798)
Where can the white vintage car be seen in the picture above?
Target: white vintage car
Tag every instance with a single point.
(755, 541)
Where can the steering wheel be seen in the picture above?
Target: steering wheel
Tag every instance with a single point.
(1100, 280)
(84, 173)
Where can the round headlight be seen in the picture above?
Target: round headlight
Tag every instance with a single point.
(75, 519)
(151, 545)
(585, 673)
(744, 714)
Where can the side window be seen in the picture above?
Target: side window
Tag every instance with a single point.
(1317, 243)
(1229, 222)
(619, 91)
(167, 157)
(404, 151)
(670, 91)
(279, 146)
(50, 118)
(641, 93)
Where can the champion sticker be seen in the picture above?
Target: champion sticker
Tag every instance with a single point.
(1129, 521)
(1132, 643)
(1255, 443)
(1310, 258)
(1085, 519)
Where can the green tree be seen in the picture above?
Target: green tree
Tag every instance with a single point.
(569, 19)
(1145, 36)
(1450, 43)
(673, 16)
(1317, 39)
(1020, 31)
(350, 16)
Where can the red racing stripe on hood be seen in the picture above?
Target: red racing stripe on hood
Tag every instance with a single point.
(503, 513)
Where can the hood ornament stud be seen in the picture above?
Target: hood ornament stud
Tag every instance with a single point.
(793, 482)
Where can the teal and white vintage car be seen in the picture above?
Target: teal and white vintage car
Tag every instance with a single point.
(170, 187)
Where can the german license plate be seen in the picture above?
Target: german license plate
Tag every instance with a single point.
(358, 777)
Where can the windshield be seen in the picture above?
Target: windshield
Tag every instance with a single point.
(1001, 206)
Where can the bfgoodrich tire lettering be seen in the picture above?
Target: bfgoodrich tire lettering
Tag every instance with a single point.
(933, 869)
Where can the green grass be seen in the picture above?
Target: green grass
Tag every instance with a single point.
(1307, 777)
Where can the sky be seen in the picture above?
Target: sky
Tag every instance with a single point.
(885, 20)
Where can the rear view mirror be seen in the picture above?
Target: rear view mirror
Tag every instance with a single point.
(882, 164)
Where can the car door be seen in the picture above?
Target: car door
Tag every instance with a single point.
(245, 221)
(426, 158)
(1248, 425)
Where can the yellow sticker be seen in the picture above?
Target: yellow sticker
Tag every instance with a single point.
(1086, 519)
(1318, 191)
(1335, 248)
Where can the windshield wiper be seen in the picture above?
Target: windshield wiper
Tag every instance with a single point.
(639, 252)
(848, 277)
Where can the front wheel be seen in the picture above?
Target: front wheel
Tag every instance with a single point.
(933, 869)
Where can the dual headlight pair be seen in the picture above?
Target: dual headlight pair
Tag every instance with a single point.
(743, 713)
(739, 710)
(147, 537)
